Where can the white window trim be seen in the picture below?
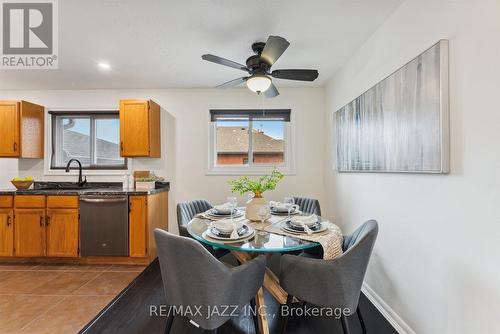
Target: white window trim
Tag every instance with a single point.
(288, 168)
(48, 171)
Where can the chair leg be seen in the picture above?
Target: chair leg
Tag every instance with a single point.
(361, 321)
(170, 321)
(345, 325)
(254, 315)
(289, 300)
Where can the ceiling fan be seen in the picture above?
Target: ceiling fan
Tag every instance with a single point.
(259, 67)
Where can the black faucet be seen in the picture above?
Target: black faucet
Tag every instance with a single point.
(81, 181)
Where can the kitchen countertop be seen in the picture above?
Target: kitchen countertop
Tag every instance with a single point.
(91, 188)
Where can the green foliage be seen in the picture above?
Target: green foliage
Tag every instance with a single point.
(244, 184)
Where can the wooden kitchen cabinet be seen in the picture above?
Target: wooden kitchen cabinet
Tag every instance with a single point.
(22, 125)
(6, 232)
(140, 129)
(62, 232)
(137, 226)
(29, 232)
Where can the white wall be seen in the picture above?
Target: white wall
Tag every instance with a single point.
(436, 259)
(185, 135)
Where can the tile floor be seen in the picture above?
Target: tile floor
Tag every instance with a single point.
(38, 298)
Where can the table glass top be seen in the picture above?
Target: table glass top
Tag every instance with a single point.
(262, 242)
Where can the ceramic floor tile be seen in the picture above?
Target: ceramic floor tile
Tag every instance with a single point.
(6, 275)
(69, 316)
(56, 266)
(65, 283)
(90, 267)
(126, 267)
(16, 311)
(107, 283)
(25, 282)
(16, 266)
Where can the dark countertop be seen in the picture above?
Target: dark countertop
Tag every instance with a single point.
(91, 188)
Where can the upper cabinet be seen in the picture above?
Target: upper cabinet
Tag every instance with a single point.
(22, 129)
(140, 129)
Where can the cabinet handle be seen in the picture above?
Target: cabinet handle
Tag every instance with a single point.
(47, 220)
(15, 147)
(41, 220)
(9, 220)
(121, 146)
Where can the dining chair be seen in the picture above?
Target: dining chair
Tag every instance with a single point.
(331, 283)
(193, 279)
(308, 205)
(186, 212)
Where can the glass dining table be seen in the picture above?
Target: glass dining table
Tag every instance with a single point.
(262, 243)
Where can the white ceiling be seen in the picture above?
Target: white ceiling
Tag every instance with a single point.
(158, 44)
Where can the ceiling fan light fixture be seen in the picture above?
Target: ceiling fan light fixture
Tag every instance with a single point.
(258, 83)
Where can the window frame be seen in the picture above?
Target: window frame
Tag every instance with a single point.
(287, 167)
(93, 115)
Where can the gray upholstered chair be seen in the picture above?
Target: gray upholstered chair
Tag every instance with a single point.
(186, 211)
(336, 283)
(308, 205)
(194, 279)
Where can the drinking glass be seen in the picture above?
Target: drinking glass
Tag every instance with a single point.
(232, 203)
(289, 201)
(262, 213)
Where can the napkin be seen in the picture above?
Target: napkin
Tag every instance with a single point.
(223, 208)
(278, 206)
(305, 222)
(228, 224)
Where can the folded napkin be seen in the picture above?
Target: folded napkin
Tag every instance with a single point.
(278, 206)
(224, 208)
(305, 222)
(228, 225)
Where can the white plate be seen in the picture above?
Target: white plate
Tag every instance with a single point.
(249, 234)
(287, 229)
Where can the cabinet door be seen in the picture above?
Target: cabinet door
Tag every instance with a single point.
(6, 232)
(29, 232)
(62, 232)
(137, 226)
(9, 123)
(134, 128)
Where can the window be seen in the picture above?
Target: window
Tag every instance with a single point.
(91, 137)
(249, 140)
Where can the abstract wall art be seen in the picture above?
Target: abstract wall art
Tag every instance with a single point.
(401, 123)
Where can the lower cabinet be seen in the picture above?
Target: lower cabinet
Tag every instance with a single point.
(6, 232)
(138, 216)
(29, 232)
(62, 232)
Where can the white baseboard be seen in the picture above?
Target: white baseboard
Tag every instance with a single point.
(394, 319)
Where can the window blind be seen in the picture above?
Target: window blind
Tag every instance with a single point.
(250, 114)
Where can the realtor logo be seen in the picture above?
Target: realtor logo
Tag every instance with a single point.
(29, 34)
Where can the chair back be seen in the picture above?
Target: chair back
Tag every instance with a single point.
(187, 210)
(332, 283)
(193, 278)
(353, 263)
(308, 205)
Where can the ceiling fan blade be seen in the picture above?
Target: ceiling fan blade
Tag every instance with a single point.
(225, 62)
(232, 83)
(272, 91)
(303, 75)
(275, 46)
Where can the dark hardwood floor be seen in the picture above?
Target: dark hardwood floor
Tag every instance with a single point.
(130, 313)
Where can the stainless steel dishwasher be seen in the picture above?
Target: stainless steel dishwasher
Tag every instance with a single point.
(104, 225)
